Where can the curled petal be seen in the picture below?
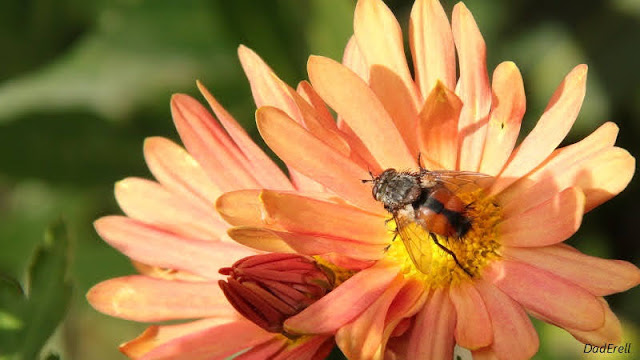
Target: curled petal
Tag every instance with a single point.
(142, 298)
(473, 319)
(553, 221)
(432, 334)
(609, 333)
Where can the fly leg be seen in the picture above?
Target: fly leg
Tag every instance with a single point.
(445, 249)
(395, 234)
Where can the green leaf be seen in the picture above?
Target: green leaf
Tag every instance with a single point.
(28, 318)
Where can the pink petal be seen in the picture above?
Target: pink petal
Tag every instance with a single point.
(513, 334)
(303, 183)
(279, 241)
(599, 276)
(432, 334)
(438, 127)
(609, 333)
(158, 248)
(218, 342)
(344, 303)
(266, 172)
(302, 150)
(265, 350)
(432, 46)
(362, 338)
(508, 108)
(313, 348)
(310, 216)
(379, 37)
(354, 59)
(361, 109)
(542, 293)
(177, 171)
(553, 221)
(473, 87)
(150, 203)
(473, 319)
(553, 126)
(142, 298)
(210, 145)
(267, 88)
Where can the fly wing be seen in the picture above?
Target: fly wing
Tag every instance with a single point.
(416, 240)
(460, 182)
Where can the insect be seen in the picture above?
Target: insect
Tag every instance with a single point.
(427, 203)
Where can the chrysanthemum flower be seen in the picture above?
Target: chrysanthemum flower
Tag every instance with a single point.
(394, 302)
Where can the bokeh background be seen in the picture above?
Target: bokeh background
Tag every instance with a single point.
(82, 83)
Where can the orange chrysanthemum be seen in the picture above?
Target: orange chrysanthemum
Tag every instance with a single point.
(391, 304)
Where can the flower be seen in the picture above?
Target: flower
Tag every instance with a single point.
(406, 299)
(417, 302)
(179, 244)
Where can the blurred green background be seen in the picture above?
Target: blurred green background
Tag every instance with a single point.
(82, 83)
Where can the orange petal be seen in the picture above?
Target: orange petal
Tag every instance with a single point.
(354, 59)
(266, 87)
(343, 303)
(311, 348)
(216, 342)
(306, 215)
(473, 319)
(553, 126)
(609, 333)
(432, 334)
(379, 37)
(599, 276)
(432, 46)
(473, 87)
(513, 334)
(155, 247)
(600, 176)
(314, 158)
(303, 183)
(362, 338)
(142, 298)
(554, 299)
(438, 127)
(266, 172)
(177, 171)
(350, 97)
(553, 221)
(279, 241)
(209, 144)
(241, 207)
(150, 203)
(508, 108)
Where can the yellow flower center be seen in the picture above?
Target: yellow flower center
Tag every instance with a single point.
(422, 258)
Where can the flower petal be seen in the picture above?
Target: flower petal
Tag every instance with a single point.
(599, 276)
(209, 144)
(542, 293)
(609, 333)
(267, 173)
(344, 303)
(473, 87)
(177, 171)
(302, 151)
(354, 59)
(473, 319)
(218, 342)
(312, 348)
(553, 221)
(438, 127)
(432, 47)
(241, 207)
(279, 241)
(432, 334)
(508, 108)
(362, 338)
(150, 203)
(379, 38)
(142, 298)
(155, 247)
(513, 334)
(361, 110)
(553, 126)
(305, 215)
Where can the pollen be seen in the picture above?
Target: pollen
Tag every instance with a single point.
(420, 256)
